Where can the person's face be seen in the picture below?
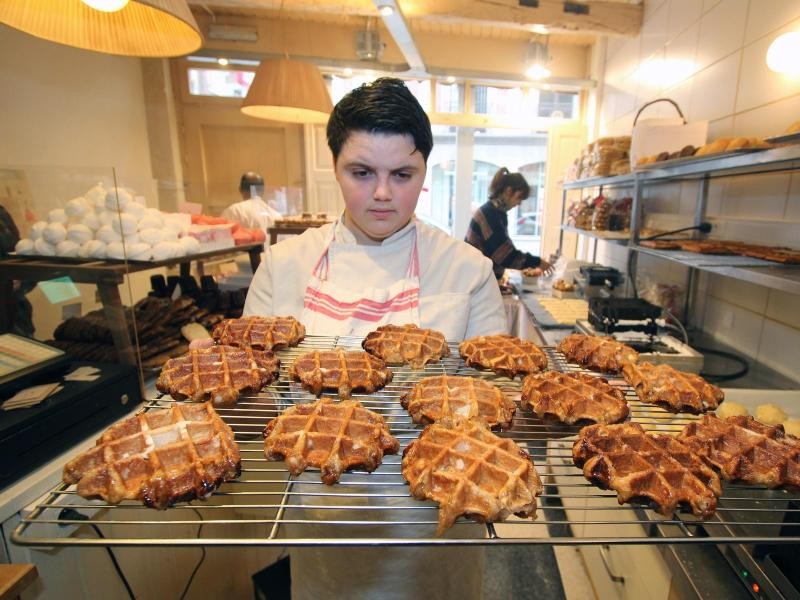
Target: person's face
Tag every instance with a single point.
(513, 198)
(381, 176)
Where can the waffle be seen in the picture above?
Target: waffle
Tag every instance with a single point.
(746, 450)
(504, 354)
(598, 353)
(218, 374)
(406, 344)
(573, 398)
(159, 457)
(264, 333)
(671, 389)
(435, 398)
(332, 436)
(470, 471)
(342, 370)
(636, 464)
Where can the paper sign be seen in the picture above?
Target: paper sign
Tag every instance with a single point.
(59, 290)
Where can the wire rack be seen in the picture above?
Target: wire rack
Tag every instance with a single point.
(265, 506)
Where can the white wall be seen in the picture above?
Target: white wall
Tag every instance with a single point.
(722, 45)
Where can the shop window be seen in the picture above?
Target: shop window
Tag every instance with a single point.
(497, 101)
(449, 97)
(558, 105)
(224, 83)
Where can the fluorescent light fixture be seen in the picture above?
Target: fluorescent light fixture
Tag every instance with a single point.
(106, 5)
(783, 55)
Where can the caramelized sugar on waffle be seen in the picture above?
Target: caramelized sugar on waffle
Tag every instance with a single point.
(636, 464)
(443, 396)
(746, 450)
(671, 389)
(406, 344)
(219, 374)
(504, 354)
(574, 398)
(342, 370)
(263, 333)
(333, 437)
(597, 353)
(470, 471)
(159, 457)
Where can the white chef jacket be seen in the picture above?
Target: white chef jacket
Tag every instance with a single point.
(252, 214)
(459, 295)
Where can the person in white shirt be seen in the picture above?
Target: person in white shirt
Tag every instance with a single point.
(252, 212)
(378, 265)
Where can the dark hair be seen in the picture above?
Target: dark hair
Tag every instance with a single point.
(384, 106)
(250, 179)
(503, 179)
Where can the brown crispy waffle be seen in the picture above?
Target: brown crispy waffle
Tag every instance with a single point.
(661, 244)
(342, 370)
(435, 398)
(264, 333)
(470, 471)
(573, 398)
(746, 450)
(159, 457)
(218, 374)
(706, 246)
(504, 354)
(636, 464)
(598, 353)
(332, 436)
(406, 344)
(671, 389)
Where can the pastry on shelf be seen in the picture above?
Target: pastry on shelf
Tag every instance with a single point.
(406, 344)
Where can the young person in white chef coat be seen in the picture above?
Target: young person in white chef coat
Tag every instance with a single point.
(376, 265)
(253, 211)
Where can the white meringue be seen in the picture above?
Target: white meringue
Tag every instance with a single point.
(80, 234)
(54, 233)
(151, 236)
(149, 221)
(190, 244)
(165, 250)
(139, 251)
(117, 199)
(106, 234)
(96, 195)
(125, 224)
(135, 209)
(93, 249)
(25, 246)
(115, 250)
(67, 248)
(44, 248)
(106, 217)
(36, 230)
(76, 207)
(57, 215)
(91, 220)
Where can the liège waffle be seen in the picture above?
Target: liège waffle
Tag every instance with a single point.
(159, 457)
(470, 471)
(636, 464)
(406, 344)
(435, 398)
(342, 370)
(573, 398)
(333, 437)
(746, 450)
(671, 389)
(217, 374)
(263, 333)
(598, 353)
(504, 354)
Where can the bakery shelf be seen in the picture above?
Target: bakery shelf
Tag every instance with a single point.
(613, 181)
(609, 236)
(265, 506)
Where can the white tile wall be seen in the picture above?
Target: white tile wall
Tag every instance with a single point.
(728, 83)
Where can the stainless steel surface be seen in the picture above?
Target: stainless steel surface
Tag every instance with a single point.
(265, 507)
(608, 236)
(613, 181)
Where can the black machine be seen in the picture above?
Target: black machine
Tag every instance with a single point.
(608, 315)
(602, 276)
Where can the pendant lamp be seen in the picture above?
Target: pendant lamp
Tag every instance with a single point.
(288, 90)
(148, 28)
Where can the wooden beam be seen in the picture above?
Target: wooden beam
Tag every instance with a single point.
(604, 17)
(15, 578)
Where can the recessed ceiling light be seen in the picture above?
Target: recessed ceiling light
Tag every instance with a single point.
(223, 62)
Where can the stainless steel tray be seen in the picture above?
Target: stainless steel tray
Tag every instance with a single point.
(672, 162)
(266, 507)
(786, 138)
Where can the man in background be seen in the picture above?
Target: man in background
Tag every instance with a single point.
(252, 212)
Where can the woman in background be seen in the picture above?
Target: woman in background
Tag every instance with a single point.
(488, 229)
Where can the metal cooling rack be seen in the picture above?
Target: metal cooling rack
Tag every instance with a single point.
(265, 506)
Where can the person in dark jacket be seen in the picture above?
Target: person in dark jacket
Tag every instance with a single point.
(488, 229)
(19, 313)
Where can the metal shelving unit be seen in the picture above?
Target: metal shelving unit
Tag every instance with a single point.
(608, 236)
(265, 506)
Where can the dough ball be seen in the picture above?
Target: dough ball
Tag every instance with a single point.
(792, 427)
(730, 409)
(115, 250)
(57, 215)
(770, 414)
(190, 244)
(117, 199)
(106, 234)
(44, 248)
(80, 234)
(91, 220)
(139, 251)
(93, 249)
(67, 248)
(125, 224)
(36, 230)
(54, 233)
(25, 246)
(96, 196)
(151, 235)
(135, 209)
(76, 207)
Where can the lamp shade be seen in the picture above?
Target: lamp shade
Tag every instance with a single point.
(288, 90)
(149, 28)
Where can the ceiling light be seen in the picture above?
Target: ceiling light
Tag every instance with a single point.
(386, 10)
(537, 72)
(783, 53)
(347, 72)
(540, 29)
(222, 61)
(106, 5)
(288, 90)
(537, 59)
(450, 79)
(149, 28)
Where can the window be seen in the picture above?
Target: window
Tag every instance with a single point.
(497, 101)
(225, 83)
(449, 97)
(559, 105)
